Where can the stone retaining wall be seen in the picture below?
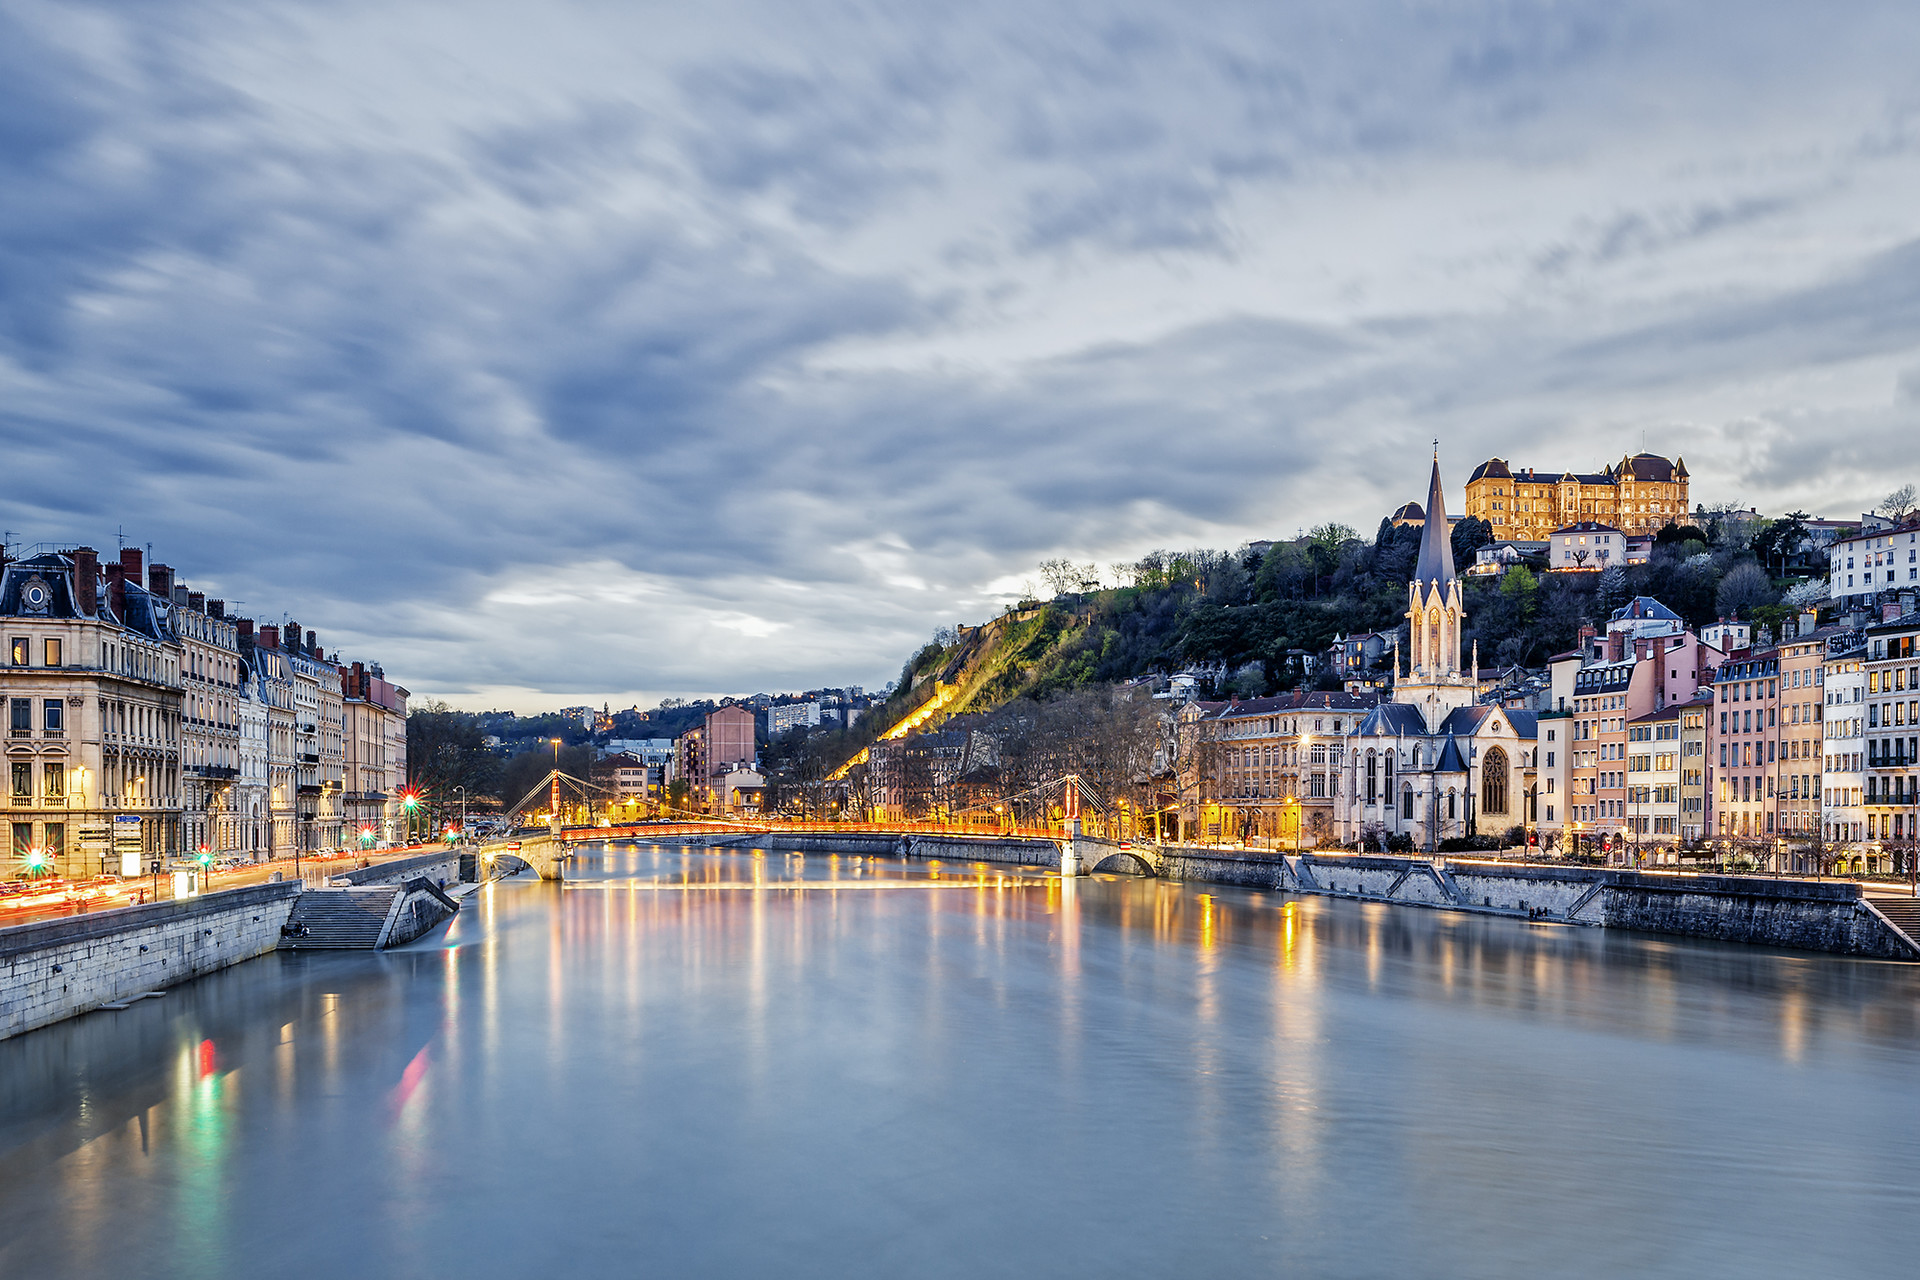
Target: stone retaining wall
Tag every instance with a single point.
(1010, 852)
(53, 969)
(439, 867)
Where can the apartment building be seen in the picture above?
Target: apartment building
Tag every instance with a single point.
(1843, 744)
(1868, 565)
(93, 693)
(374, 768)
(1746, 752)
(1653, 785)
(1270, 769)
(210, 717)
(1892, 732)
(1696, 768)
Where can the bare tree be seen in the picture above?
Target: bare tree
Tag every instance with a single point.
(1899, 504)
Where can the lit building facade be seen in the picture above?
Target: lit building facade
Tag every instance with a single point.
(1639, 494)
(93, 695)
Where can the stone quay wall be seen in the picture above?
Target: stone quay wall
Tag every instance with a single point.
(441, 868)
(1015, 851)
(1804, 915)
(54, 969)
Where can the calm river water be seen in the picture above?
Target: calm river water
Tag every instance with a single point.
(726, 1064)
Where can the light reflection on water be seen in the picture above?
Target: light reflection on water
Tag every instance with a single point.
(698, 1063)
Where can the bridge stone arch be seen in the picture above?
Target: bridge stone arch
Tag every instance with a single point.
(1091, 855)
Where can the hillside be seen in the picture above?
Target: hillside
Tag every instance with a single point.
(1255, 614)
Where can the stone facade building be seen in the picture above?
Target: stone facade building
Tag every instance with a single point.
(1893, 736)
(210, 737)
(92, 688)
(374, 734)
(1266, 769)
(1639, 494)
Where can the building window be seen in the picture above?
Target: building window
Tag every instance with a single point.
(22, 780)
(51, 651)
(23, 715)
(55, 715)
(20, 648)
(56, 779)
(1406, 801)
(1493, 782)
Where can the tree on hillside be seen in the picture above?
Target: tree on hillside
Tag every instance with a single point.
(1469, 536)
(1778, 541)
(1745, 588)
(1675, 534)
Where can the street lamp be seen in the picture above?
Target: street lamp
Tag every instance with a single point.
(463, 813)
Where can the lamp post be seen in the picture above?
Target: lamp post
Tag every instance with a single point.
(463, 813)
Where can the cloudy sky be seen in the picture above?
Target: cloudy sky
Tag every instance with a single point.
(566, 352)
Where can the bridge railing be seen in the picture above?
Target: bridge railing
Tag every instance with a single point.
(987, 830)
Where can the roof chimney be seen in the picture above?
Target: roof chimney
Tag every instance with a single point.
(269, 636)
(160, 581)
(1889, 611)
(313, 644)
(117, 590)
(291, 636)
(130, 561)
(216, 608)
(197, 601)
(86, 581)
(243, 629)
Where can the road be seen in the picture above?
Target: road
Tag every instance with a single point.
(79, 897)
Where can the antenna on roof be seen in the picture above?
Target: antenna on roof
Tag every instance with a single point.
(120, 533)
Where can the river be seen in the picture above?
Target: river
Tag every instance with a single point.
(694, 1063)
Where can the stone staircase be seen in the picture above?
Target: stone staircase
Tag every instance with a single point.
(1902, 911)
(339, 919)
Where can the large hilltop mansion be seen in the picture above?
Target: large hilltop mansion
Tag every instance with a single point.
(1637, 495)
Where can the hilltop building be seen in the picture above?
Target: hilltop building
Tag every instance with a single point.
(1639, 494)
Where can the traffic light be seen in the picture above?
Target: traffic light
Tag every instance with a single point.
(412, 801)
(206, 856)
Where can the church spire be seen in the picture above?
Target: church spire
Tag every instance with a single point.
(1436, 539)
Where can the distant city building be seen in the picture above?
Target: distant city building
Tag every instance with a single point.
(783, 719)
(1640, 494)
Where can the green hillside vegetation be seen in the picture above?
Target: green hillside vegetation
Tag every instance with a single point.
(1253, 613)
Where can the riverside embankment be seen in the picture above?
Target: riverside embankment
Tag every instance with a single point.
(1831, 916)
(54, 969)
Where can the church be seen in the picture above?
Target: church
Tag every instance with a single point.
(1432, 763)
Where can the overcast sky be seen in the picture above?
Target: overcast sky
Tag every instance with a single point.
(580, 352)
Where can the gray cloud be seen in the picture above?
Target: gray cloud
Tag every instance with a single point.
(641, 354)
